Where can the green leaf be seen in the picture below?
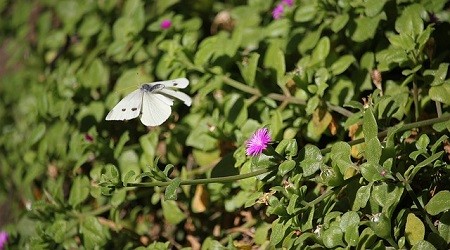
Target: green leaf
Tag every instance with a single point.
(372, 150)
(339, 22)
(342, 64)
(128, 177)
(440, 93)
(90, 26)
(423, 245)
(373, 7)
(410, 21)
(248, 68)
(172, 189)
(118, 197)
(349, 225)
(274, 60)
(321, 51)
(124, 29)
(79, 190)
(332, 237)
(162, 6)
(402, 41)
(288, 147)
(201, 138)
(381, 225)
(293, 207)
(172, 212)
(312, 160)
(95, 75)
(387, 196)
(37, 134)
(309, 41)
(366, 239)
(341, 157)
(286, 166)
(110, 174)
(414, 229)
(306, 12)
(70, 12)
(424, 163)
(438, 75)
(93, 234)
(370, 127)
(438, 203)
(235, 109)
(57, 231)
(278, 232)
(444, 226)
(120, 144)
(261, 233)
(362, 197)
(366, 27)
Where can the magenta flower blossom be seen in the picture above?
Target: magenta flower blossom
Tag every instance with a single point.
(278, 11)
(258, 142)
(288, 2)
(165, 24)
(88, 138)
(3, 239)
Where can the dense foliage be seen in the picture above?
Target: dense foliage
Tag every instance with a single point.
(355, 95)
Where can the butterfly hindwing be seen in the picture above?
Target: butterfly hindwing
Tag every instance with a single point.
(128, 108)
(177, 94)
(156, 109)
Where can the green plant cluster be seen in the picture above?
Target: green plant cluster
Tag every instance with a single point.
(355, 94)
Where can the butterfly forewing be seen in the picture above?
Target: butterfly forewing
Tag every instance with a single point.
(180, 83)
(128, 108)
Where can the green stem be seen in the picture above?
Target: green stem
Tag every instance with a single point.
(279, 97)
(417, 202)
(380, 135)
(403, 128)
(202, 181)
(416, 100)
(263, 171)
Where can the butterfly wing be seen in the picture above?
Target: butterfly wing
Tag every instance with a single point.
(155, 109)
(177, 94)
(128, 108)
(179, 83)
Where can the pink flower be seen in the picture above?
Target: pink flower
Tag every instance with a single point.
(258, 142)
(3, 239)
(88, 138)
(165, 24)
(278, 11)
(288, 2)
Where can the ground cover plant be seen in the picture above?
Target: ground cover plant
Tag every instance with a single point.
(313, 125)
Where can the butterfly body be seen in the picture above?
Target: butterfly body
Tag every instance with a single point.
(152, 101)
(152, 87)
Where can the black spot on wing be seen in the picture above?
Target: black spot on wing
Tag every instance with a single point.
(124, 110)
(133, 109)
(175, 83)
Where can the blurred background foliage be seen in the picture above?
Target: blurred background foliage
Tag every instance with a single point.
(308, 75)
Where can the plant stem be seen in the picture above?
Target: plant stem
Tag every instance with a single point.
(202, 181)
(263, 171)
(403, 128)
(417, 202)
(279, 97)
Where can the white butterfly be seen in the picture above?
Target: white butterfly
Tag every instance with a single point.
(152, 100)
